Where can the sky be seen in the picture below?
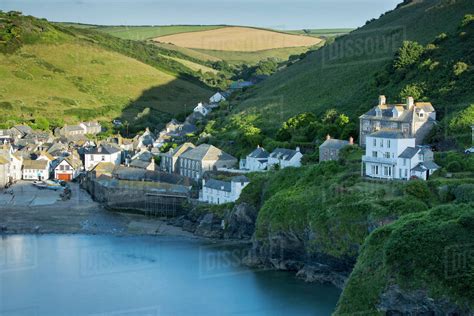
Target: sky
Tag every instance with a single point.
(277, 14)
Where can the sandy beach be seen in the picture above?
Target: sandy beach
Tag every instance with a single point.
(25, 209)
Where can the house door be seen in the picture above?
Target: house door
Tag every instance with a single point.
(64, 176)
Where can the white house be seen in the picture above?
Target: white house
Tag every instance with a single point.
(221, 192)
(257, 160)
(217, 98)
(103, 153)
(202, 109)
(68, 169)
(36, 169)
(91, 128)
(392, 155)
(15, 162)
(285, 158)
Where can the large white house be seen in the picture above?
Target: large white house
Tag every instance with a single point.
(15, 162)
(218, 97)
(285, 158)
(103, 153)
(221, 192)
(392, 155)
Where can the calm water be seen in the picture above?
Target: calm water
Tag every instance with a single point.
(105, 275)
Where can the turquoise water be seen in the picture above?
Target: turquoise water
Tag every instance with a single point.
(106, 275)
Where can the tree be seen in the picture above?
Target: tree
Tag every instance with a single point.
(42, 123)
(408, 54)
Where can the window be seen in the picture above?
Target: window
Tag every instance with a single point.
(92, 157)
(381, 143)
(387, 155)
(374, 154)
(375, 142)
(388, 143)
(404, 162)
(420, 157)
(400, 173)
(103, 158)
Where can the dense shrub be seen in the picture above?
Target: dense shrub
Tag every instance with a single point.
(408, 54)
(454, 166)
(418, 189)
(464, 193)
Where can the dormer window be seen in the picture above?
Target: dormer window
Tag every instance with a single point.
(378, 112)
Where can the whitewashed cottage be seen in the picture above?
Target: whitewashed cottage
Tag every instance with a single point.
(222, 192)
(285, 158)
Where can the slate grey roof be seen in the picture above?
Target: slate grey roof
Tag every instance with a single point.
(259, 152)
(242, 179)
(388, 134)
(35, 164)
(207, 152)
(24, 129)
(140, 164)
(218, 185)
(409, 153)
(406, 114)
(430, 165)
(334, 144)
(283, 154)
(103, 149)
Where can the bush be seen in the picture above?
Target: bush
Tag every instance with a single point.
(408, 54)
(454, 166)
(459, 68)
(418, 189)
(464, 193)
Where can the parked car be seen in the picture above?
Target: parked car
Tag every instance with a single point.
(469, 151)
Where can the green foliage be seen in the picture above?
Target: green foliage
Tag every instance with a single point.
(42, 123)
(419, 251)
(418, 189)
(468, 19)
(454, 166)
(408, 54)
(459, 68)
(464, 193)
(412, 90)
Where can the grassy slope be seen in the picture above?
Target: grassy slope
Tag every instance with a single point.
(71, 78)
(346, 82)
(252, 58)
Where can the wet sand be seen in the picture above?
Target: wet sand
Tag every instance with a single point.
(30, 210)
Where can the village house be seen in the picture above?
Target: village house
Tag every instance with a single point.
(392, 155)
(68, 169)
(413, 119)
(36, 170)
(330, 149)
(169, 160)
(144, 141)
(257, 160)
(103, 153)
(202, 109)
(218, 97)
(72, 130)
(142, 160)
(285, 158)
(221, 192)
(15, 162)
(193, 163)
(20, 131)
(91, 128)
(4, 172)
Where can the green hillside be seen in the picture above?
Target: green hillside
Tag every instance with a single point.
(70, 74)
(351, 72)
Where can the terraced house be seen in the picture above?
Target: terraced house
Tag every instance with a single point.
(195, 162)
(413, 119)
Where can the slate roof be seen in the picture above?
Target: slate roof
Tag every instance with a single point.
(409, 153)
(24, 129)
(75, 163)
(407, 115)
(388, 134)
(178, 151)
(140, 164)
(207, 152)
(35, 164)
(218, 185)
(283, 154)
(104, 149)
(334, 144)
(242, 179)
(104, 167)
(259, 153)
(431, 165)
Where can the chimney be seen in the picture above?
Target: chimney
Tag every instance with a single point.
(382, 100)
(99, 149)
(351, 140)
(298, 149)
(328, 137)
(410, 102)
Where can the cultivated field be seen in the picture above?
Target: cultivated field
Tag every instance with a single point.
(242, 39)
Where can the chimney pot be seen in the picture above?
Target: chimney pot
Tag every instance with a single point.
(351, 140)
(298, 149)
(382, 100)
(328, 137)
(410, 102)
